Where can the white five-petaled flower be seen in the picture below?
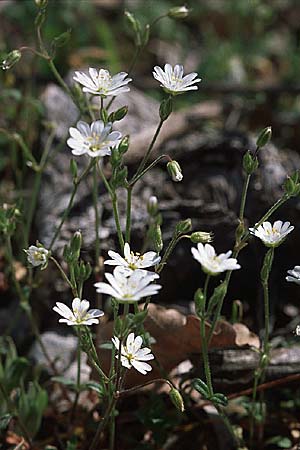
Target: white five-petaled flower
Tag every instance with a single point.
(272, 235)
(132, 261)
(130, 288)
(102, 83)
(79, 314)
(132, 355)
(37, 256)
(173, 81)
(211, 263)
(96, 139)
(294, 275)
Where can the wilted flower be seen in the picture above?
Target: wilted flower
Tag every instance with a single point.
(294, 275)
(102, 83)
(132, 261)
(173, 81)
(80, 313)
(95, 140)
(37, 256)
(130, 288)
(132, 355)
(211, 263)
(272, 235)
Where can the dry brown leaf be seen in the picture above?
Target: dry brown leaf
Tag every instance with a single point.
(176, 337)
(244, 336)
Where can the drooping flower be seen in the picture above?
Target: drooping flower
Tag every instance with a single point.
(272, 235)
(212, 263)
(294, 275)
(37, 256)
(102, 83)
(80, 314)
(95, 140)
(132, 261)
(132, 355)
(173, 81)
(130, 288)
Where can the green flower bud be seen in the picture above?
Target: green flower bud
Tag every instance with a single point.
(175, 171)
(250, 163)
(165, 108)
(176, 399)
(199, 302)
(76, 243)
(292, 185)
(118, 115)
(184, 226)
(264, 137)
(201, 237)
(115, 157)
(124, 144)
(152, 206)
(11, 59)
(41, 3)
(104, 115)
(146, 35)
(178, 12)
(157, 239)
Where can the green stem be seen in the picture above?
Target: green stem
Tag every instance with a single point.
(168, 252)
(204, 344)
(97, 220)
(147, 154)
(78, 386)
(114, 200)
(153, 164)
(244, 196)
(63, 273)
(70, 204)
(128, 214)
(103, 423)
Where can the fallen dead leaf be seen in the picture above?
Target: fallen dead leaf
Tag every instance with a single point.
(176, 337)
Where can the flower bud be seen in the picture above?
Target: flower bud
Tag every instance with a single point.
(201, 237)
(124, 144)
(174, 170)
(184, 226)
(176, 399)
(152, 205)
(11, 59)
(157, 239)
(41, 3)
(264, 137)
(199, 302)
(165, 108)
(292, 186)
(178, 12)
(250, 163)
(76, 242)
(104, 115)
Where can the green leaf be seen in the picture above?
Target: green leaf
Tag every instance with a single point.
(280, 441)
(201, 387)
(93, 385)
(219, 399)
(65, 381)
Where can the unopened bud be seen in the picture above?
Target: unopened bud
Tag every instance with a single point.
(178, 12)
(292, 185)
(176, 399)
(184, 226)
(199, 302)
(73, 168)
(201, 237)
(11, 59)
(152, 205)
(264, 137)
(119, 114)
(41, 3)
(250, 163)
(157, 239)
(175, 171)
(124, 144)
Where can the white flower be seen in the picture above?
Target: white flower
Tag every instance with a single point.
(130, 288)
(272, 235)
(37, 256)
(132, 355)
(173, 81)
(81, 315)
(102, 83)
(294, 275)
(95, 140)
(211, 263)
(132, 261)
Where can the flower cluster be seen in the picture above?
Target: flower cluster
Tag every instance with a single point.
(130, 281)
